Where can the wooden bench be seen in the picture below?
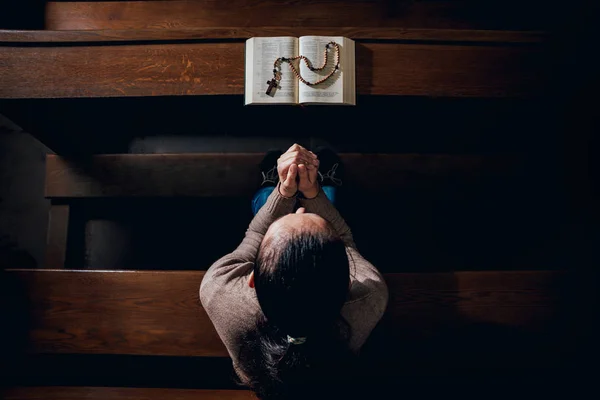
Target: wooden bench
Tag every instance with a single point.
(123, 325)
(117, 64)
(400, 47)
(110, 180)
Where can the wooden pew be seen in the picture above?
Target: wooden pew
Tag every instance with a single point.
(116, 178)
(158, 312)
(237, 174)
(454, 325)
(162, 63)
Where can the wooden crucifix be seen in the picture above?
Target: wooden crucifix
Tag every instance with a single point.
(272, 85)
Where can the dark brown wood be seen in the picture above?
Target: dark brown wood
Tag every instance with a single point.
(159, 313)
(448, 71)
(218, 68)
(237, 174)
(152, 313)
(243, 33)
(118, 393)
(153, 70)
(454, 14)
(56, 240)
(517, 299)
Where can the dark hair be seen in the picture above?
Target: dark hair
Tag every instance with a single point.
(301, 281)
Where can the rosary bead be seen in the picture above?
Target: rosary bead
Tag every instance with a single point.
(309, 65)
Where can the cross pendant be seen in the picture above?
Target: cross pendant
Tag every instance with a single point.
(272, 85)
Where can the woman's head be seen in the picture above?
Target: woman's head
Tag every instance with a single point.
(301, 274)
(301, 277)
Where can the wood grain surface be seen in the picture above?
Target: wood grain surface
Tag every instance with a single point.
(242, 33)
(154, 70)
(155, 313)
(237, 174)
(159, 313)
(218, 68)
(172, 14)
(119, 393)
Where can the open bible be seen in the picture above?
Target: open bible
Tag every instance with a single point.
(261, 53)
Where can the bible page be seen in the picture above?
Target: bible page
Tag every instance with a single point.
(261, 53)
(330, 91)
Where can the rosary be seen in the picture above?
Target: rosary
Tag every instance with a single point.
(273, 83)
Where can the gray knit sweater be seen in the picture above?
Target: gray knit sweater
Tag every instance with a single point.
(232, 305)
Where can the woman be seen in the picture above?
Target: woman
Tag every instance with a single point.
(295, 301)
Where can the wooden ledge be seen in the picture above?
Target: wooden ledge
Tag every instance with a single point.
(159, 312)
(237, 174)
(243, 33)
(422, 62)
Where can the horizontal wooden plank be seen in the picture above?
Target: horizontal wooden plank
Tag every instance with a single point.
(312, 13)
(237, 174)
(218, 68)
(243, 33)
(159, 313)
(154, 70)
(519, 299)
(144, 313)
(153, 175)
(119, 393)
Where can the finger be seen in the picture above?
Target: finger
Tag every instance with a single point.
(308, 156)
(312, 174)
(284, 166)
(307, 151)
(294, 147)
(303, 173)
(314, 166)
(290, 181)
(297, 148)
(288, 155)
(298, 157)
(282, 170)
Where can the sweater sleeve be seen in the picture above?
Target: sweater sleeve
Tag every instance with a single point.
(321, 206)
(368, 297)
